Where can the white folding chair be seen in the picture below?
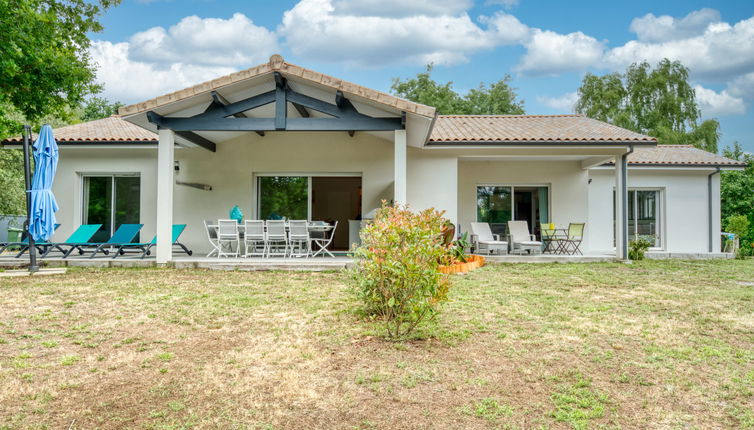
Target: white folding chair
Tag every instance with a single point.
(254, 238)
(324, 242)
(227, 236)
(276, 239)
(299, 240)
(212, 237)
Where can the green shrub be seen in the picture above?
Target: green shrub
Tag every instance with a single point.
(395, 273)
(739, 225)
(637, 248)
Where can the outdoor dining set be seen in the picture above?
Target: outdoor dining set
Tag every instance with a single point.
(554, 239)
(269, 238)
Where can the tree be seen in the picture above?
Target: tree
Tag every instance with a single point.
(736, 190)
(658, 102)
(497, 99)
(98, 107)
(45, 69)
(44, 61)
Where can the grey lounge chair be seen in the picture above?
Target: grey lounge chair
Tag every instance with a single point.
(484, 241)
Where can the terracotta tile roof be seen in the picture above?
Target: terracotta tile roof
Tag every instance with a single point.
(106, 130)
(681, 155)
(277, 63)
(491, 129)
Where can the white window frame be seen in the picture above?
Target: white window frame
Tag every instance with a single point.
(84, 191)
(513, 192)
(256, 196)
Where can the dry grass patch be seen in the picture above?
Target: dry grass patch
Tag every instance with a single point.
(654, 344)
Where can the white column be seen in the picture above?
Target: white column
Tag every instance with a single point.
(621, 200)
(399, 184)
(164, 230)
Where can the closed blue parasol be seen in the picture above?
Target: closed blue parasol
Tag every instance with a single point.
(43, 204)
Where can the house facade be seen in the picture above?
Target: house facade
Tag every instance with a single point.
(278, 140)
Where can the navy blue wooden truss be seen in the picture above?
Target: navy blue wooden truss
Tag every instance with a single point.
(221, 115)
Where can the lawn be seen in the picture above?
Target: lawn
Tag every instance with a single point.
(649, 345)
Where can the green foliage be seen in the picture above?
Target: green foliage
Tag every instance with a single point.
(736, 193)
(99, 107)
(396, 272)
(740, 226)
(44, 61)
(44, 70)
(12, 199)
(659, 102)
(637, 248)
(459, 246)
(497, 99)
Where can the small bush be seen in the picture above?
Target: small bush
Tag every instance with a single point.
(739, 225)
(637, 248)
(396, 274)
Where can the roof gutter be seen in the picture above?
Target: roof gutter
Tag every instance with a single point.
(710, 206)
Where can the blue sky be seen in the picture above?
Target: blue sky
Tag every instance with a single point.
(150, 47)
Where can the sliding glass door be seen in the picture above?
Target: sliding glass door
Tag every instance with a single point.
(283, 197)
(498, 204)
(111, 201)
(643, 216)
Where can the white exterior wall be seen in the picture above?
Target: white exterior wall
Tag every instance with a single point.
(683, 207)
(231, 173)
(77, 161)
(566, 179)
(433, 182)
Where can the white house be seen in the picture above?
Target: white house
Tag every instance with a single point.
(279, 139)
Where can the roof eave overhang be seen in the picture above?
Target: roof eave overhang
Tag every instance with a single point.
(676, 166)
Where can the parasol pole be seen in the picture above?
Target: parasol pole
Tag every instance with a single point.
(33, 267)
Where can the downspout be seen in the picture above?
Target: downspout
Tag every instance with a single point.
(709, 208)
(624, 196)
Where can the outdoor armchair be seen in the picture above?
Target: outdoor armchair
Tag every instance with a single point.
(484, 241)
(521, 240)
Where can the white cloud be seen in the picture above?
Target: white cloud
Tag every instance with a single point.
(319, 30)
(400, 8)
(718, 104)
(205, 41)
(157, 61)
(723, 51)
(742, 86)
(564, 103)
(550, 53)
(127, 80)
(651, 28)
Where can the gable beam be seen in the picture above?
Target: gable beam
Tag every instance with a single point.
(281, 102)
(198, 140)
(218, 100)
